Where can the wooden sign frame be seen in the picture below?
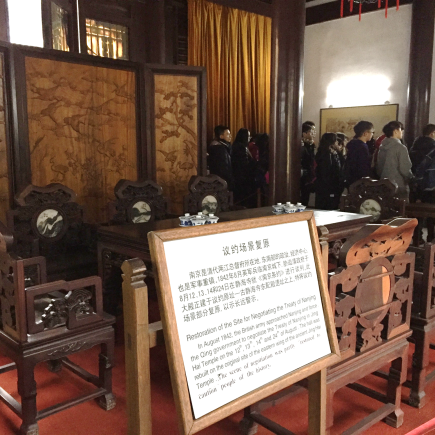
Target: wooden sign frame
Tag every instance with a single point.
(187, 423)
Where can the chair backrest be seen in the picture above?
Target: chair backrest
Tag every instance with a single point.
(137, 201)
(49, 214)
(208, 194)
(371, 293)
(32, 309)
(373, 197)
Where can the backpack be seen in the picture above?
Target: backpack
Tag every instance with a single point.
(425, 173)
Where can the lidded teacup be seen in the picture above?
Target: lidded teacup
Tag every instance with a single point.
(278, 208)
(186, 220)
(300, 206)
(211, 219)
(198, 220)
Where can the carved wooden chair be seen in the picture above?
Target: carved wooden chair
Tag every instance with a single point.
(51, 217)
(422, 323)
(208, 194)
(371, 296)
(48, 322)
(137, 201)
(373, 197)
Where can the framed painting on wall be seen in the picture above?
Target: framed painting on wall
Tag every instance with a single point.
(343, 119)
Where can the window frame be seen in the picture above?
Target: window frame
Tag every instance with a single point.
(70, 7)
(104, 10)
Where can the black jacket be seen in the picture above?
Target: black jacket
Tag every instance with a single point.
(421, 147)
(307, 163)
(244, 170)
(219, 161)
(329, 174)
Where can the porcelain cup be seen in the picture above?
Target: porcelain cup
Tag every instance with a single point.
(300, 206)
(290, 208)
(278, 209)
(211, 219)
(186, 220)
(198, 220)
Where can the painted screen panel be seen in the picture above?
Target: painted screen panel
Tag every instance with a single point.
(82, 129)
(176, 135)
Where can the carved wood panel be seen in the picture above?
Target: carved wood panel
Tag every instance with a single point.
(82, 129)
(4, 177)
(372, 302)
(176, 135)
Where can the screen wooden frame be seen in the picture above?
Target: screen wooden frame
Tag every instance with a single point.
(187, 423)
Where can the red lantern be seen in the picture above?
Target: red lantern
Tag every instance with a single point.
(366, 1)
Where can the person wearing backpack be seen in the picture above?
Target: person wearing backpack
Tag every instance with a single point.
(393, 159)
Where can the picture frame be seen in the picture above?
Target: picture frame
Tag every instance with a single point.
(343, 119)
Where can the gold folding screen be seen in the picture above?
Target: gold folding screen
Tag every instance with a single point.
(82, 129)
(4, 177)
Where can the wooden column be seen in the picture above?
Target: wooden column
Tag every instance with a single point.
(420, 68)
(288, 30)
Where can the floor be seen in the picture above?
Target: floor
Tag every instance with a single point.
(89, 419)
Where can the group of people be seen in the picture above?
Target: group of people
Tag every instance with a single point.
(338, 163)
(243, 164)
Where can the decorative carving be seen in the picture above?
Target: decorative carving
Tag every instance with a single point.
(201, 188)
(374, 241)
(176, 134)
(138, 201)
(369, 338)
(372, 301)
(375, 197)
(67, 349)
(75, 303)
(82, 128)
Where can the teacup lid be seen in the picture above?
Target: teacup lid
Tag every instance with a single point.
(279, 203)
(187, 214)
(299, 203)
(288, 203)
(211, 215)
(200, 213)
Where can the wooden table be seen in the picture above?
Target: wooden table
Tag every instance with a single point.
(121, 242)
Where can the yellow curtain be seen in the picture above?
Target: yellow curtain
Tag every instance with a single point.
(235, 46)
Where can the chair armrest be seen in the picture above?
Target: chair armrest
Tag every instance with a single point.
(81, 304)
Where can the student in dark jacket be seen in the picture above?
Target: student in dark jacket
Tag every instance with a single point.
(244, 171)
(422, 146)
(307, 161)
(219, 155)
(358, 160)
(328, 182)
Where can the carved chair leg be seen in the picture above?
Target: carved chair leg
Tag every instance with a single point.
(105, 360)
(246, 425)
(54, 365)
(396, 377)
(27, 391)
(420, 361)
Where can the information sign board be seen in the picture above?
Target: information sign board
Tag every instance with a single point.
(245, 309)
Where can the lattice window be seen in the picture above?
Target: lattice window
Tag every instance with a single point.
(59, 27)
(106, 39)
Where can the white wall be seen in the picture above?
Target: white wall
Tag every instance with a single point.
(367, 60)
